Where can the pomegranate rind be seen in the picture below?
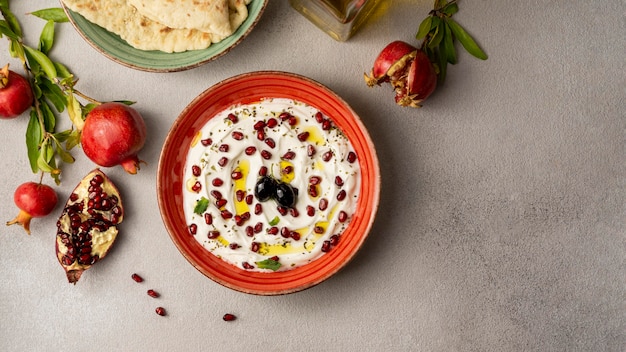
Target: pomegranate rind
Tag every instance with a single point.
(99, 233)
(23, 219)
(392, 59)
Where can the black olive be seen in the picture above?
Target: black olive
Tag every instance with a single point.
(265, 188)
(286, 195)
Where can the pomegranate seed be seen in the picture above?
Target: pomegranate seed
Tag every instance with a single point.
(318, 230)
(255, 247)
(284, 115)
(294, 212)
(285, 232)
(310, 211)
(249, 231)
(319, 117)
(326, 124)
(153, 294)
(287, 170)
(213, 234)
(216, 194)
(239, 195)
(343, 216)
(289, 155)
(220, 203)
(233, 118)
(238, 220)
(314, 180)
(259, 125)
(258, 227)
(137, 278)
(295, 235)
(351, 157)
(224, 148)
(208, 218)
(275, 258)
(195, 170)
(250, 150)
(327, 156)
(282, 210)
(73, 197)
(237, 135)
(260, 135)
(303, 136)
(334, 240)
(196, 187)
(206, 142)
(270, 142)
(245, 216)
(341, 195)
(160, 311)
(323, 204)
(313, 191)
(226, 214)
(247, 265)
(234, 246)
(236, 175)
(271, 123)
(339, 181)
(193, 229)
(217, 182)
(272, 230)
(292, 121)
(263, 171)
(326, 246)
(249, 199)
(229, 317)
(266, 155)
(223, 161)
(258, 209)
(310, 150)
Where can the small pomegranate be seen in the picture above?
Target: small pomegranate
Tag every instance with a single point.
(113, 134)
(15, 94)
(87, 227)
(408, 70)
(35, 200)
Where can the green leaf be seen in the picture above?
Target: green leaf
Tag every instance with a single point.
(274, 221)
(46, 39)
(125, 102)
(49, 119)
(42, 59)
(62, 136)
(72, 140)
(6, 30)
(424, 28)
(16, 50)
(62, 71)
(55, 14)
(14, 25)
(54, 94)
(63, 154)
(269, 264)
(34, 137)
(437, 36)
(450, 9)
(201, 206)
(75, 112)
(466, 40)
(447, 45)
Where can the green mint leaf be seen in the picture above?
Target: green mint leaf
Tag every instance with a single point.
(201, 206)
(274, 221)
(466, 40)
(269, 264)
(55, 14)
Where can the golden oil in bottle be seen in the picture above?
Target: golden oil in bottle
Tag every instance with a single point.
(339, 18)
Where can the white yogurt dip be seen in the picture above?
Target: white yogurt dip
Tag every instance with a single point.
(290, 142)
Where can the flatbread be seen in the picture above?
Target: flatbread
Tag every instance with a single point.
(141, 32)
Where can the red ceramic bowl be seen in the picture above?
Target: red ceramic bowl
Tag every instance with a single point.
(249, 88)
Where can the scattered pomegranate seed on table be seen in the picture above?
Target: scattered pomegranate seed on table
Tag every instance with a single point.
(229, 317)
(160, 311)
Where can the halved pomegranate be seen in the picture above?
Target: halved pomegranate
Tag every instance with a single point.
(87, 227)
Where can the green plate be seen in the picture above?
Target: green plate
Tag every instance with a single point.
(118, 50)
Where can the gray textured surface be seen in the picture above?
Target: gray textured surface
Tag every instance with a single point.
(502, 223)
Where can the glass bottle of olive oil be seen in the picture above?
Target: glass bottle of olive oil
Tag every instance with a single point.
(339, 18)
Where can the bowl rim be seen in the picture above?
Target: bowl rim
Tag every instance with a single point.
(197, 57)
(260, 85)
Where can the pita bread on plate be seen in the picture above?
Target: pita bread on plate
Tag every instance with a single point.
(141, 32)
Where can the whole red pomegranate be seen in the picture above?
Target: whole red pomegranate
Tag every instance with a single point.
(15, 94)
(35, 200)
(408, 70)
(113, 134)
